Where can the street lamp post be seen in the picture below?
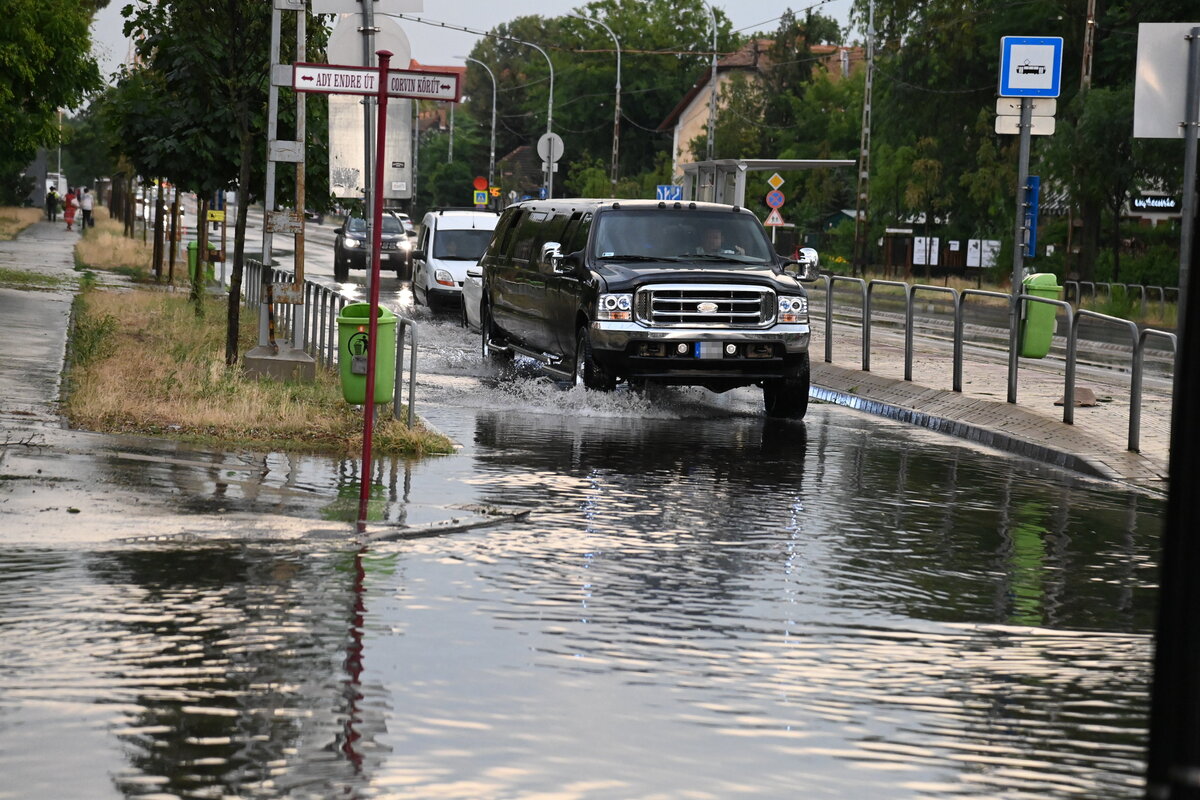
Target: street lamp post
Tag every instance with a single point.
(549, 173)
(712, 89)
(617, 104)
(492, 155)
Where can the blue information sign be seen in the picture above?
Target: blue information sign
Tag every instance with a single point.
(1030, 66)
(668, 191)
(1032, 189)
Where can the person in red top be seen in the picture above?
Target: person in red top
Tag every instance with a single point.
(70, 206)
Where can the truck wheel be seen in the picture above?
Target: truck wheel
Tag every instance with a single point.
(487, 332)
(588, 373)
(788, 397)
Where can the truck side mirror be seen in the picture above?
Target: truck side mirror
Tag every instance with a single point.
(552, 255)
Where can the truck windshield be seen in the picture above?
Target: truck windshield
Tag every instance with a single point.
(681, 234)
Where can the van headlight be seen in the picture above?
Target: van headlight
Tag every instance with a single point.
(443, 277)
(615, 307)
(793, 309)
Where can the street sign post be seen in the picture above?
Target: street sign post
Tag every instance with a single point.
(340, 79)
(1030, 67)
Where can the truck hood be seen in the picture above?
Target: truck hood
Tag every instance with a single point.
(625, 276)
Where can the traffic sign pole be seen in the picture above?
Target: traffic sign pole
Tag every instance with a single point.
(1018, 271)
(385, 57)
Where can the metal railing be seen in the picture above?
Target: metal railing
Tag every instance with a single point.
(1138, 338)
(316, 328)
(1073, 290)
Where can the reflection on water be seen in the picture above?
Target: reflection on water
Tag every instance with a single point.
(704, 608)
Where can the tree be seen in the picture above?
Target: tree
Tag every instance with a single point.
(44, 66)
(207, 65)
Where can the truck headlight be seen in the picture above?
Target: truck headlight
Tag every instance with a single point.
(615, 307)
(793, 309)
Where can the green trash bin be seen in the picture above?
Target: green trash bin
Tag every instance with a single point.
(353, 328)
(1040, 322)
(193, 248)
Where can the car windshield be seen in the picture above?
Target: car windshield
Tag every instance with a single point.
(670, 235)
(359, 225)
(461, 245)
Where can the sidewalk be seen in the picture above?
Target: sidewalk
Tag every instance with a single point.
(1095, 444)
(32, 351)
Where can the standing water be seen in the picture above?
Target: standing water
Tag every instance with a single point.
(698, 604)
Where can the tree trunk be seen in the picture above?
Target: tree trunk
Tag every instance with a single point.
(1116, 243)
(197, 293)
(1089, 239)
(158, 233)
(233, 316)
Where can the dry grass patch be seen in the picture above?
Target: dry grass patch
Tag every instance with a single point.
(13, 220)
(143, 363)
(105, 247)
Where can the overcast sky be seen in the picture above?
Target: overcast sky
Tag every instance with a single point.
(434, 46)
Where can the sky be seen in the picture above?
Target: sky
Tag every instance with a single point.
(432, 45)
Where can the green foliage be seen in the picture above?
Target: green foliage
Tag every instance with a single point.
(45, 65)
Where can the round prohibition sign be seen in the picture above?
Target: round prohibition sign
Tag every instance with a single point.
(774, 199)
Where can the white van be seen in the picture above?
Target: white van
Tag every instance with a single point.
(451, 239)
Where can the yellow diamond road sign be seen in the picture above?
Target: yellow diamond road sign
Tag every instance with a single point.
(775, 181)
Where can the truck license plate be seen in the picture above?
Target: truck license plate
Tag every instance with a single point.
(708, 350)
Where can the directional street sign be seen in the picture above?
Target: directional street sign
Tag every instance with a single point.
(334, 79)
(1030, 66)
(668, 191)
(423, 85)
(338, 79)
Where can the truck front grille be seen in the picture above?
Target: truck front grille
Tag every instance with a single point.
(705, 306)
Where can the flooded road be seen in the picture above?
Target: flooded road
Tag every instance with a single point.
(699, 603)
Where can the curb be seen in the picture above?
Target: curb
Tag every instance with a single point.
(963, 430)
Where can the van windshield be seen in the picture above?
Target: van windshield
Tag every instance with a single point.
(674, 235)
(461, 245)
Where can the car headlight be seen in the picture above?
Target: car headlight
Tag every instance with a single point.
(443, 277)
(793, 309)
(352, 243)
(615, 307)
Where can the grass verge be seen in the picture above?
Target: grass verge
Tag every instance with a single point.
(13, 220)
(105, 247)
(20, 279)
(142, 362)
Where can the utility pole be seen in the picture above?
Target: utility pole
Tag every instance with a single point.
(861, 206)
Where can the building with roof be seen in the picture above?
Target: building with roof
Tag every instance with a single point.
(689, 118)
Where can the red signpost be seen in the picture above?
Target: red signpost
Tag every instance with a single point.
(385, 59)
(383, 83)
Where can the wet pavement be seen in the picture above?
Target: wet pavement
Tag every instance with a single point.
(673, 597)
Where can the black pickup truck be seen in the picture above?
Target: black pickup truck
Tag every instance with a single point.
(640, 291)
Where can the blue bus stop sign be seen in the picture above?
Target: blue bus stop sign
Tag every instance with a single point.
(1030, 66)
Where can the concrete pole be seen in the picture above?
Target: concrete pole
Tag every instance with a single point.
(617, 102)
(492, 153)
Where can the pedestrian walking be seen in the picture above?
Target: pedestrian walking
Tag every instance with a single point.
(52, 205)
(86, 203)
(70, 206)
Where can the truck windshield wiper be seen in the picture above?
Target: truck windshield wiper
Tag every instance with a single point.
(734, 257)
(636, 257)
